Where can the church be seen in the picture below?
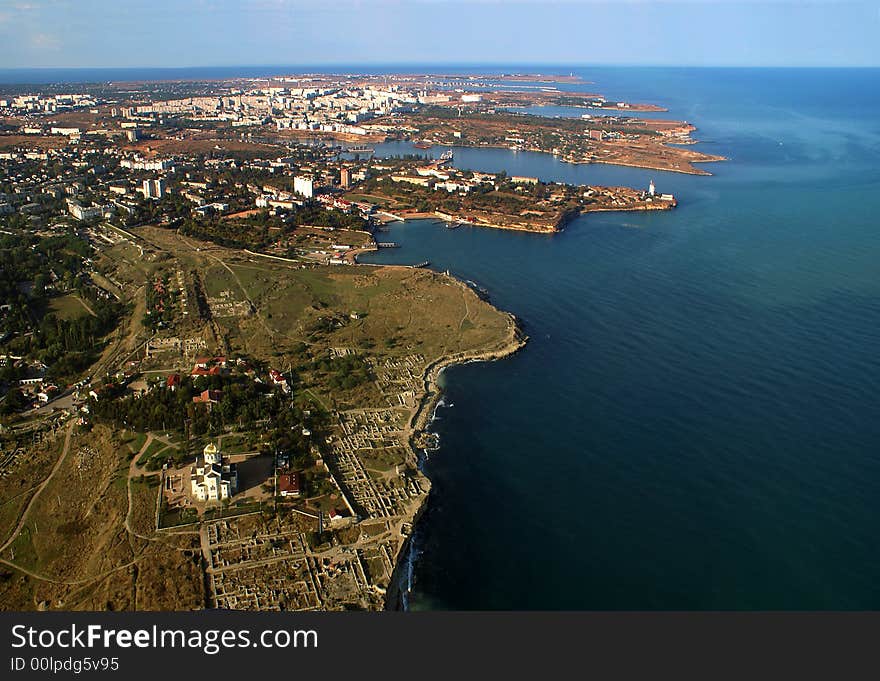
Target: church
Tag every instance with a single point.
(212, 478)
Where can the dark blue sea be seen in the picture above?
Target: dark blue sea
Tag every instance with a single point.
(695, 422)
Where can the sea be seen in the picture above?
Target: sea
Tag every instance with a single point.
(695, 421)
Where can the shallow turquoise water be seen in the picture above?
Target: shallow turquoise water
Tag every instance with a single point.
(696, 421)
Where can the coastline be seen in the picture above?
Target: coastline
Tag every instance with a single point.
(710, 158)
(695, 171)
(420, 421)
(557, 227)
(451, 218)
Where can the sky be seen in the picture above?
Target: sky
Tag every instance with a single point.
(182, 33)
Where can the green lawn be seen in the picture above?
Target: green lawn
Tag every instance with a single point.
(135, 441)
(151, 451)
(67, 307)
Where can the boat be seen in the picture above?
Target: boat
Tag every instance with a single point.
(447, 155)
(360, 150)
(482, 293)
(423, 144)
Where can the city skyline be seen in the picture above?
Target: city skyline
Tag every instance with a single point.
(95, 34)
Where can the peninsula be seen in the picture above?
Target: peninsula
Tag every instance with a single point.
(205, 401)
(432, 189)
(312, 384)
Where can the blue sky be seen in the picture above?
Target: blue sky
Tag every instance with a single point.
(120, 33)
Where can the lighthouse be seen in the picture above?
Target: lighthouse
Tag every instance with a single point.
(651, 190)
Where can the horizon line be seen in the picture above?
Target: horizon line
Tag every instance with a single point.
(435, 64)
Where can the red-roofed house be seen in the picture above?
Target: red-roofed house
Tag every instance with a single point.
(209, 366)
(208, 397)
(289, 484)
(279, 380)
(202, 371)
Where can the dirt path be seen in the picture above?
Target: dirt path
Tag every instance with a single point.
(132, 469)
(40, 488)
(86, 306)
(125, 341)
(73, 582)
(467, 311)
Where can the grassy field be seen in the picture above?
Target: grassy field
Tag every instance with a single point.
(76, 545)
(155, 448)
(68, 521)
(68, 307)
(292, 315)
(134, 441)
(402, 310)
(88, 540)
(17, 488)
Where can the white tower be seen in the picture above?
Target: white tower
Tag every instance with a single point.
(651, 190)
(211, 454)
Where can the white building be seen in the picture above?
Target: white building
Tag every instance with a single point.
(211, 477)
(304, 186)
(163, 164)
(154, 189)
(90, 213)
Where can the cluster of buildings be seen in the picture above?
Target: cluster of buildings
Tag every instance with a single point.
(278, 380)
(652, 194)
(93, 183)
(336, 108)
(47, 103)
(86, 182)
(443, 178)
(94, 178)
(32, 381)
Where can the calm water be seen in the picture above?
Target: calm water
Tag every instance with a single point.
(696, 420)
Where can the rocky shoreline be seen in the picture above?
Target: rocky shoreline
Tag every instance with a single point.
(421, 421)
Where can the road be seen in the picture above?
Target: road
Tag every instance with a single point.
(63, 401)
